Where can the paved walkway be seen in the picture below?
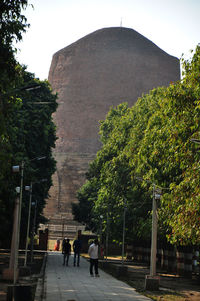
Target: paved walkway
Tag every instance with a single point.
(75, 284)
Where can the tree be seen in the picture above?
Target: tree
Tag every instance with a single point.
(31, 134)
(109, 176)
(152, 141)
(26, 127)
(12, 25)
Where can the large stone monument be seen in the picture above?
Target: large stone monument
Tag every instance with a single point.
(103, 69)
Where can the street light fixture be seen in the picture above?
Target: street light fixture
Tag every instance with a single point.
(34, 221)
(197, 141)
(17, 189)
(28, 87)
(33, 87)
(13, 265)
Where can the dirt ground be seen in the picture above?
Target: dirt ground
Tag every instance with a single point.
(31, 280)
(172, 287)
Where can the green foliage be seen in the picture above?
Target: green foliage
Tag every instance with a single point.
(87, 196)
(12, 25)
(30, 134)
(26, 127)
(150, 143)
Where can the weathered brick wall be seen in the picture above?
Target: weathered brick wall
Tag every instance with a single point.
(103, 69)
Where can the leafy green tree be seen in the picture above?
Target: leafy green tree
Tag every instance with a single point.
(167, 156)
(87, 196)
(26, 127)
(181, 207)
(34, 137)
(111, 173)
(31, 134)
(148, 144)
(12, 25)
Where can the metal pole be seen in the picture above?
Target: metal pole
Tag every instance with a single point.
(101, 240)
(107, 238)
(33, 231)
(123, 240)
(63, 226)
(18, 226)
(154, 235)
(28, 225)
(14, 246)
(14, 235)
(101, 254)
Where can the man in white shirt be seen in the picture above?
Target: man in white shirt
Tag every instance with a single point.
(93, 253)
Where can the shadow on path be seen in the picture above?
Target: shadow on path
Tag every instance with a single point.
(69, 283)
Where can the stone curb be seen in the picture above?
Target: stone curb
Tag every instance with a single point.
(39, 293)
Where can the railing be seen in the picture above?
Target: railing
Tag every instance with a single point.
(183, 261)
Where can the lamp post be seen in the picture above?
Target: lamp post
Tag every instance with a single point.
(101, 220)
(17, 231)
(12, 272)
(151, 281)
(33, 230)
(30, 188)
(107, 228)
(101, 253)
(34, 220)
(63, 227)
(156, 196)
(28, 225)
(123, 236)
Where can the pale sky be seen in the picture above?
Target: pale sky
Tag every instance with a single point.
(173, 25)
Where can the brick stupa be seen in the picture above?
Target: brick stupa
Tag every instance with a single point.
(103, 69)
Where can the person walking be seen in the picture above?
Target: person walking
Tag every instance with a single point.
(57, 245)
(66, 250)
(77, 251)
(93, 253)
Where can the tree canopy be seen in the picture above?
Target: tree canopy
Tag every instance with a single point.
(145, 145)
(27, 131)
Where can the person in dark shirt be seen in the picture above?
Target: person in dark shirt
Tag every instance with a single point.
(77, 250)
(66, 251)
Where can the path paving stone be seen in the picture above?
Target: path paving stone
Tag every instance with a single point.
(69, 283)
